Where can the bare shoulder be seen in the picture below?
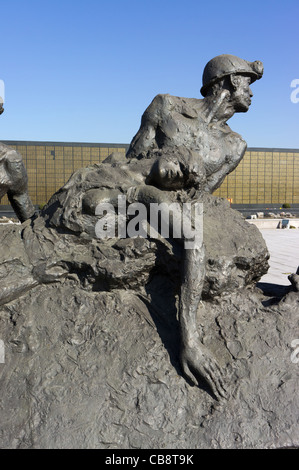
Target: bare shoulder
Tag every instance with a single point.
(165, 104)
(167, 99)
(160, 102)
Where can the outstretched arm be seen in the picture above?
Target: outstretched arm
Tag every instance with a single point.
(198, 364)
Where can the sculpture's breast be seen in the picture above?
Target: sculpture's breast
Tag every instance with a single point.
(222, 147)
(183, 123)
(214, 145)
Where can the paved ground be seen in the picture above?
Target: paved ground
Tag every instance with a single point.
(283, 246)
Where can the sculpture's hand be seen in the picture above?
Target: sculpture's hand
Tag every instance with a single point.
(197, 361)
(193, 164)
(170, 170)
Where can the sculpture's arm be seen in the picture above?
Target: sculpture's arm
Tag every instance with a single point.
(215, 180)
(198, 364)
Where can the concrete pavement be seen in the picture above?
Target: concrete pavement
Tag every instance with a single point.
(283, 246)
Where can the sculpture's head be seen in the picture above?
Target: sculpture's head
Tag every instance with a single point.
(233, 74)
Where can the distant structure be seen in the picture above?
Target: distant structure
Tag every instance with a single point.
(50, 164)
(264, 176)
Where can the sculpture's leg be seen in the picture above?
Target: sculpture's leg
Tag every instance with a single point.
(18, 187)
(21, 204)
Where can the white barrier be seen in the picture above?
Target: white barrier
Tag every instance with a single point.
(272, 223)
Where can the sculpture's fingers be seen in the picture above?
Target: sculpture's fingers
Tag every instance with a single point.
(217, 376)
(162, 173)
(188, 374)
(216, 383)
(220, 388)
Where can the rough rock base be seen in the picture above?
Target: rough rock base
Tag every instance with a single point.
(101, 370)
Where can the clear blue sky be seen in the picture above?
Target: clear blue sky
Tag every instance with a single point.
(85, 71)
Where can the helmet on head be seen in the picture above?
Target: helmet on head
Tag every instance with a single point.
(226, 64)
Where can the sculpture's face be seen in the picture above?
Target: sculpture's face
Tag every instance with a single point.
(242, 94)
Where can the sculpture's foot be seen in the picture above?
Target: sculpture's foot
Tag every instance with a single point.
(199, 365)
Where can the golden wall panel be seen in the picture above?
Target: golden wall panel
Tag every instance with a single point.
(49, 165)
(263, 176)
(272, 177)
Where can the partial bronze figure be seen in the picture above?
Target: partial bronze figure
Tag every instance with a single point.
(203, 150)
(183, 150)
(14, 181)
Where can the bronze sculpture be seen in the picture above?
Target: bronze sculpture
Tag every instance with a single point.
(91, 326)
(200, 126)
(183, 150)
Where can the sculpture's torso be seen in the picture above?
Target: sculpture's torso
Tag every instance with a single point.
(172, 121)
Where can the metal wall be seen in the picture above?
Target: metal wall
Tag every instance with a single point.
(263, 176)
(50, 164)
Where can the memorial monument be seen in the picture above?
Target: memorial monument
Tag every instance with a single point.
(139, 342)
